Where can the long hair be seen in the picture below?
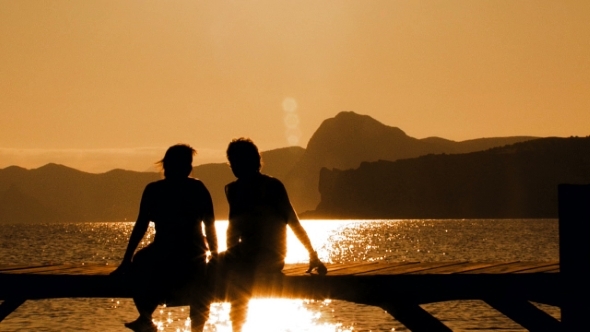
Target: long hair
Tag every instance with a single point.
(178, 161)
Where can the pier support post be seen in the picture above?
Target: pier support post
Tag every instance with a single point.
(524, 313)
(8, 306)
(414, 317)
(574, 254)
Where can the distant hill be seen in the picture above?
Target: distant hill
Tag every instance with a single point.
(59, 193)
(17, 206)
(55, 192)
(473, 145)
(515, 181)
(349, 139)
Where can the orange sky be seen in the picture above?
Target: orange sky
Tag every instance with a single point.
(102, 84)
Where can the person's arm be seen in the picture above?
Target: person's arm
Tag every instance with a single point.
(298, 230)
(232, 235)
(141, 225)
(300, 233)
(209, 221)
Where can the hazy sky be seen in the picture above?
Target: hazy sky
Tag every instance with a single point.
(102, 84)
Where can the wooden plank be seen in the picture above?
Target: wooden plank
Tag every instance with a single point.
(410, 268)
(522, 267)
(337, 266)
(425, 268)
(295, 269)
(299, 269)
(341, 266)
(355, 265)
(455, 268)
(353, 269)
(498, 268)
(550, 267)
(364, 269)
(289, 267)
(21, 267)
(38, 269)
(82, 270)
(376, 269)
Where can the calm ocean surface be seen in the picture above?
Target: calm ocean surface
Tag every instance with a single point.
(337, 241)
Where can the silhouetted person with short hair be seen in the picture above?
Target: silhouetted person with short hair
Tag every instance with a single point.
(259, 213)
(175, 262)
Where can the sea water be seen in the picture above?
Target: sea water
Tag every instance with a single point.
(337, 241)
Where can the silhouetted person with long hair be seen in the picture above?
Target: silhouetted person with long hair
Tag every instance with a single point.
(175, 262)
(259, 213)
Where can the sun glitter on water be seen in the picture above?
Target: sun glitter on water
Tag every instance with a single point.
(318, 231)
(268, 315)
(264, 315)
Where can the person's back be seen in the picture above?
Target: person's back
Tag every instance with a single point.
(259, 213)
(175, 262)
(174, 208)
(256, 214)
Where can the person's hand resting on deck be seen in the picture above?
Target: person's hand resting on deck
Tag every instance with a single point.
(122, 269)
(316, 264)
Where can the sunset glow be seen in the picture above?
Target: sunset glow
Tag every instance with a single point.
(445, 141)
(100, 76)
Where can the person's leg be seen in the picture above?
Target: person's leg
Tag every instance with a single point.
(238, 313)
(146, 307)
(143, 296)
(199, 313)
(200, 298)
(229, 277)
(143, 323)
(241, 281)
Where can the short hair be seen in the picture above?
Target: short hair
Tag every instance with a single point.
(178, 160)
(243, 151)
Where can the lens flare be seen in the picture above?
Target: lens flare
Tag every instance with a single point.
(291, 121)
(289, 105)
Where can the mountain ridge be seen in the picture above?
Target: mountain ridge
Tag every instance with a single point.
(349, 139)
(344, 141)
(514, 181)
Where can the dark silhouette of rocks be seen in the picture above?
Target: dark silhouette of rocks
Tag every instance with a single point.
(515, 181)
(17, 206)
(342, 142)
(349, 139)
(473, 145)
(59, 193)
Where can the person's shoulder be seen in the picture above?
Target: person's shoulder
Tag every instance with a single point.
(271, 181)
(270, 178)
(196, 183)
(154, 185)
(153, 188)
(231, 185)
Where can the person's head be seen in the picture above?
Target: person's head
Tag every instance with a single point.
(243, 157)
(178, 161)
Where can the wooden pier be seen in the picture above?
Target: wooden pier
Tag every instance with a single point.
(399, 288)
